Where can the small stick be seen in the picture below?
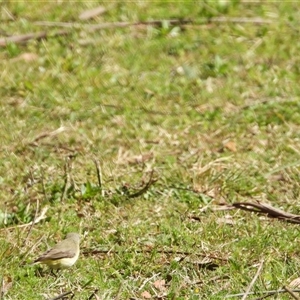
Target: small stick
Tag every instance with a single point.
(58, 24)
(62, 295)
(49, 134)
(272, 212)
(38, 219)
(291, 293)
(43, 184)
(128, 24)
(152, 22)
(2, 288)
(240, 20)
(147, 280)
(170, 252)
(113, 24)
(21, 264)
(99, 172)
(253, 280)
(67, 179)
(145, 188)
(33, 221)
(93, 294)
(268, 293)
(24, 38)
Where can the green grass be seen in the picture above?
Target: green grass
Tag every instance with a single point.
(212, 108)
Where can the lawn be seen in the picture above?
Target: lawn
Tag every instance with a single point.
(141, 134)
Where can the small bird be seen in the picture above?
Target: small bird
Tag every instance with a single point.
(63, 255)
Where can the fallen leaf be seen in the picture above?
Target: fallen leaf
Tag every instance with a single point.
(27, 57)
(178, 259)
(146, 295)
(91, 13)
(277, 177)
(205, 263)
(140, 158)
(230, 145)
(160, 285)
(5, 286)
(295, 283)
(226, 220)
(24, 38)
(208, 266)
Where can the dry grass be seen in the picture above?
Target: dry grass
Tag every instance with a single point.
(210, 109)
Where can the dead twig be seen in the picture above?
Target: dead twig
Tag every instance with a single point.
(149, 111)
(128, 24)
(240, 20)
(62, 295)
(161, 251)
(6, 284)
(68, 177)
(94, 294)
(24, 38)
(253, 280)
(43, 184)
(147, 280)
(109, 25)
(270, 211)
(291, 293)
(267, 293)
(255, 104)
(41, 217)
(33, 222)
(9, 14)
(59, 24)
(145, 188)
(31, 249)
(49, 134)
(113, 24)
(92, 13)
(99, 172)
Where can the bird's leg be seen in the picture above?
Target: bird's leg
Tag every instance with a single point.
(52, 272)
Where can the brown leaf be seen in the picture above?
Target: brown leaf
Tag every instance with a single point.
(91, 13)
(230, 145)
(5, 285)
(24, 38)
(205, 263)
(146, 295)
(160, 285)
(27, 57)
(226, 220)
(295, 283)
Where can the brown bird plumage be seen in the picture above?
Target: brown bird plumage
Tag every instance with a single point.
(63, 255)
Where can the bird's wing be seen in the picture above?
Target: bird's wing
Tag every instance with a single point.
(55, 254)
